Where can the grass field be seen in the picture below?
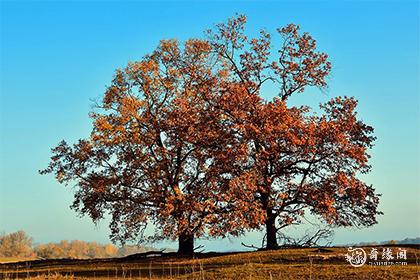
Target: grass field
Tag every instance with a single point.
(306, 263)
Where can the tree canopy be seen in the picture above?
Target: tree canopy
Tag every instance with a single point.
(183, 140)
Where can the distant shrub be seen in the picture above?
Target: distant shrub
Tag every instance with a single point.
(76, 249)
(48, 251)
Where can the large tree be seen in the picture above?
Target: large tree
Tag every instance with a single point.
(149, 159)
(183, 140)
(296, 160)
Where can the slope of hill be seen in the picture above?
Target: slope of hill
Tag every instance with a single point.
(310, 263)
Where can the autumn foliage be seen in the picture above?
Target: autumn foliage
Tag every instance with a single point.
(183, 140)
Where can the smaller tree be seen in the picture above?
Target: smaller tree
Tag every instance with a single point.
(16, 244)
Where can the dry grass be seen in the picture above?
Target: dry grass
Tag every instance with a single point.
(280, 264)
(15, 259)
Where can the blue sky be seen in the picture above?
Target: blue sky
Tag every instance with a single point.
(58, 56)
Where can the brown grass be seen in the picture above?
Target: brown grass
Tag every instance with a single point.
(280, 264)
(15, 259)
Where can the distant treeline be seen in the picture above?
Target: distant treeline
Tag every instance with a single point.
(392, 242)
(19, 244)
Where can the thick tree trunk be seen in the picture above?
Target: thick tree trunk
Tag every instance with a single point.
(271, 231)
(186, 244)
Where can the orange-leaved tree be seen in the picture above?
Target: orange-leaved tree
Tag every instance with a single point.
(150, 156)
(183, 140)
(298, 163)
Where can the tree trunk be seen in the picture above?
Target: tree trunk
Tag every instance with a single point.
(186, 244)
(271, 231)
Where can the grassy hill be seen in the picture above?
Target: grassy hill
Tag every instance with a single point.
(309, 263)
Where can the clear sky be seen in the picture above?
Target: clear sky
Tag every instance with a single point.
(58, 56)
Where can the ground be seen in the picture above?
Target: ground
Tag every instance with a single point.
(309, 263)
